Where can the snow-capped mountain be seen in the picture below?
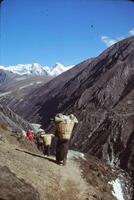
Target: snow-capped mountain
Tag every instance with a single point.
(28, 69)
(58, 69)
(36, 69)
(2, 67)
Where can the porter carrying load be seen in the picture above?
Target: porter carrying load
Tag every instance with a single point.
(47, 139)
(64, 127)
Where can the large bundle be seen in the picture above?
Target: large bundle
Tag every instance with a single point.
(47, 139)
(65, 125)
(64, 129)
(36, 128)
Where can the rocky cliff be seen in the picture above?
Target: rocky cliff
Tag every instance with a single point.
(6, 76)
(11, 119)
(101, 94)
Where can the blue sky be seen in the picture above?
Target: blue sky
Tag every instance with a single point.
(66, 31)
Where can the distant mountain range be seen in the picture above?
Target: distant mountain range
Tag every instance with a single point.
(36, 69)
(98, 91)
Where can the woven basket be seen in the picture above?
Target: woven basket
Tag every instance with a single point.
(47, 139)
(64, 129)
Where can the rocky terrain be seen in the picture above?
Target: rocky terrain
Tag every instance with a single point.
(11, 119)
(33, 97)
(6, 76)
(100, 92)
(15, 87)
(35, 177)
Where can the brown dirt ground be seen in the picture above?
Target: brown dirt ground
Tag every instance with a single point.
(70, 182)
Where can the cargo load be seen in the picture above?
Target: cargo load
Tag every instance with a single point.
(65, 125)
(47, 139)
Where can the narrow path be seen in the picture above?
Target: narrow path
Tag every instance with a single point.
(51, 180)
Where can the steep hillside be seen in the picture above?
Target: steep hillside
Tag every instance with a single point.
(15, 87)
(11, 119)
(102, 97)
(101, 94)
(37, 97)
(29, 176)
(6, 76)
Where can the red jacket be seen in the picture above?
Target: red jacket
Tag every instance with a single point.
(30, 136)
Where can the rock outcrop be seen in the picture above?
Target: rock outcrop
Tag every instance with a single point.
(6, 76)
(11, 119)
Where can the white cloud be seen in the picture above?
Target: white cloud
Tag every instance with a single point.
(108, 41)
(131, 32)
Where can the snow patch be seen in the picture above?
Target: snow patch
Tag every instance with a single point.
(2, 67)
(75, 154)
(25, 86)
(36, 127)
(58, 69)
(38, 82)
(5, 93)
(20, 78)
(118, 193)
(117, 189)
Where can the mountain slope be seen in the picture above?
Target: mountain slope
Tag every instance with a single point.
(101, 94)
(22, 85)
(38, 94)
(6, 76)
(82, 178)
(11, 119)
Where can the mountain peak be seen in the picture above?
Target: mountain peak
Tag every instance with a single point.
(59, 68)
(36, 69)
(59, 65)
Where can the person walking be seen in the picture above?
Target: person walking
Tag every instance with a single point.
(39, 139)
(30, 135)
(47, 140)
(64, 127)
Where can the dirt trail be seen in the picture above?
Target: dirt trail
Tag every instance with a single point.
(80, 179)
(51, 180)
